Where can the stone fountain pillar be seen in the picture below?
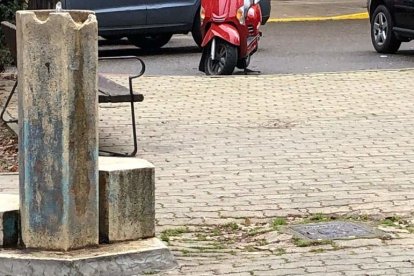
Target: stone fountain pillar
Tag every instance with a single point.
(58, 151)
(58, 140)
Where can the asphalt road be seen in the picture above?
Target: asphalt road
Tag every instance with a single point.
(297, 47)
(315, 8)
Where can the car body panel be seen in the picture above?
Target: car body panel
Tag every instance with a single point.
(404, 13)
(372, 4)
(125, 17)
(114, 14)
(165, 12)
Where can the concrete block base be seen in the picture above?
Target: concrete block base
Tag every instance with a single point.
(126, 199)
(128, 258)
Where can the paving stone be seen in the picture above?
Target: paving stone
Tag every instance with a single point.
(291, 271)
(327, 273)
(333, 268)
(381, 272)
(359, 242)
(337, 136)
(404, 270)
(400, 258)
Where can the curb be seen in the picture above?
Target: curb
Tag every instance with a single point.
(352, 16)
(8, 173)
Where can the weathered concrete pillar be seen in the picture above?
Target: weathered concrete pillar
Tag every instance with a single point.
(126, 199)
(58, 141)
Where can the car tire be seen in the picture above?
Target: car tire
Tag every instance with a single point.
(196, 30)
(150, 42)
(382, 36)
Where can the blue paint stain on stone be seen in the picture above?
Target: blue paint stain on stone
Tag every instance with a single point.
(44, 160)
(25, 194)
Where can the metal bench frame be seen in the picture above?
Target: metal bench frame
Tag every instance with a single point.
(105, 96)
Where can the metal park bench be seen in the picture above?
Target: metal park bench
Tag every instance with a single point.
(108, 90)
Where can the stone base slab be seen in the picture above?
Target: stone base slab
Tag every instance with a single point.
(129, 258)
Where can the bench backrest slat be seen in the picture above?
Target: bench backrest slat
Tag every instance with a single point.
(9, 31)
(109, 91)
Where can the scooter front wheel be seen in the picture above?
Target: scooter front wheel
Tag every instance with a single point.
(225, 59)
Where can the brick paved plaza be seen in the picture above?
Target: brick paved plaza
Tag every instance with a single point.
(250, 149)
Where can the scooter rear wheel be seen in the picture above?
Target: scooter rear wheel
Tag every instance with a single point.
(225, 59)
(244, 62)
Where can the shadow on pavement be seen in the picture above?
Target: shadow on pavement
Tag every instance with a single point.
(109, 48)
(140, 52)
(408, 53)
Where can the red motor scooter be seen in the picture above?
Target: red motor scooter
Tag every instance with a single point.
(230, 30)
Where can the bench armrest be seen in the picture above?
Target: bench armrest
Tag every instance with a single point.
(126, 58)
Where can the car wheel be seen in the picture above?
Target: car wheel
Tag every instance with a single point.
(196, 30)
(225, 59)
(382, 37)
(150, 42)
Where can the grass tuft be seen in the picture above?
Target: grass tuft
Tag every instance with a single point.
(166, 234)
(278, 222)
(305, 243)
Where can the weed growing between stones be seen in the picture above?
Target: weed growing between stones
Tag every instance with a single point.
(279, 251)
(317, 250)
(231, 226)
(278, 222)
(319, 218)
(399, 223)
(305, 243)
(393, 221)
(272, 236)
(166, 234)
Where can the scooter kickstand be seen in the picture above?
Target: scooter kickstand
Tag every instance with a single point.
(248, 71)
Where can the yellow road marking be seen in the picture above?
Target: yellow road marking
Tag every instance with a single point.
(362, 15)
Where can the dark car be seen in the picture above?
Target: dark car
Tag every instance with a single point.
(148, 23)
(392, 22)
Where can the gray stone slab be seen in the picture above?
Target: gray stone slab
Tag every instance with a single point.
(131, 258)
(334, 230)
(9, 220)
(126, 199)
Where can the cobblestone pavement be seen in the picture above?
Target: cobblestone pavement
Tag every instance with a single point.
(261, 147)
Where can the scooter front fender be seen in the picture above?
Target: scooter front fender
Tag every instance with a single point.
(226, 32)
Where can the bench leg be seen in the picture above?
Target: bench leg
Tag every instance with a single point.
(7, 104)
(134, 128)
